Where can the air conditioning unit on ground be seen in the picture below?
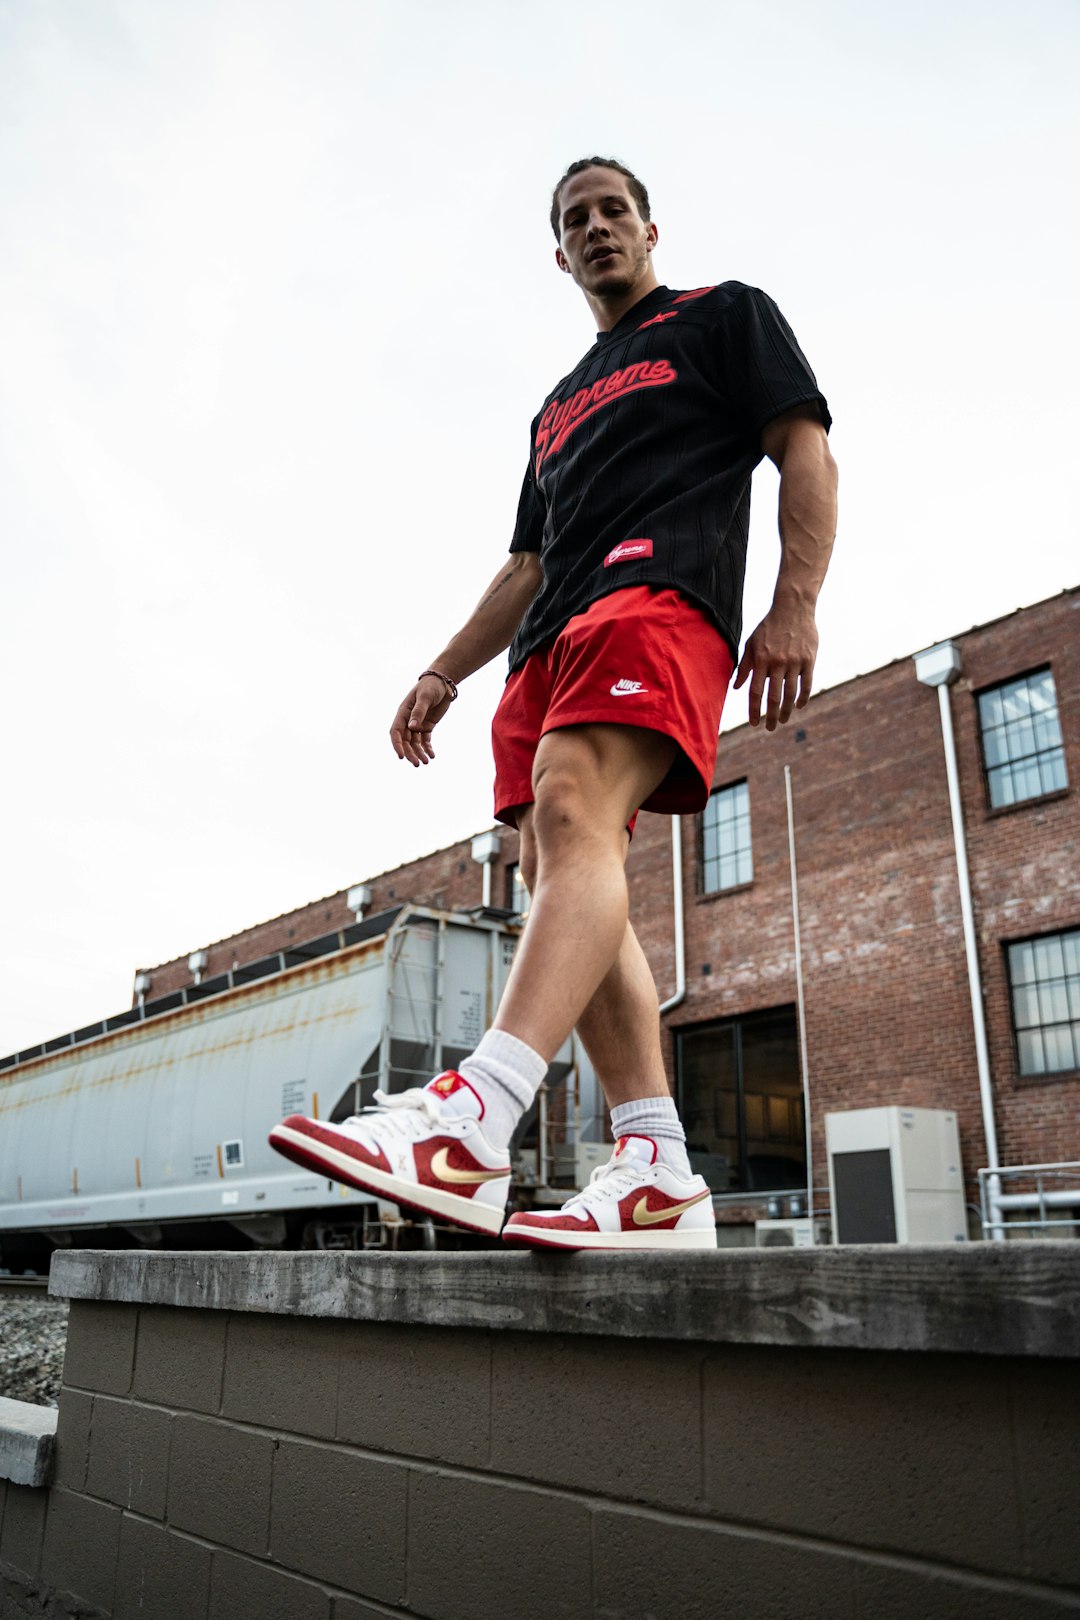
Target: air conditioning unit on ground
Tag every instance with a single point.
(895, 1176)
(798, 1233)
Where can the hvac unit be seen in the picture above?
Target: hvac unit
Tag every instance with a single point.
(895, 1176)
(798, 1233)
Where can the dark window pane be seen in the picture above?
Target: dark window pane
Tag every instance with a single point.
(709, 1083)
(742, 1102)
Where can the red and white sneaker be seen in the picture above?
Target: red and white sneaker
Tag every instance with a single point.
(630, 1203)
(423, 1149)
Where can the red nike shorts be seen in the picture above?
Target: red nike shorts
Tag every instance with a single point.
(641, 656)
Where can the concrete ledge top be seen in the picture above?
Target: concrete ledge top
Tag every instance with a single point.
(27, 1435)
(1018, 1299)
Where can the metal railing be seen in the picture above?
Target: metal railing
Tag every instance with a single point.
(1049, 1194)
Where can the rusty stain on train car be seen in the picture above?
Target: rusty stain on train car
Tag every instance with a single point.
(305, 975)
(343, 965)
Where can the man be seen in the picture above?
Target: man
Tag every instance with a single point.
(621, 605)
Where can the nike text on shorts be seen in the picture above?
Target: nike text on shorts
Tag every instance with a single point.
(423, 1149)
(640, 656)
(630, 1203)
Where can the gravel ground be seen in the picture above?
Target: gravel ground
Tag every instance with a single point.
(32, 1335)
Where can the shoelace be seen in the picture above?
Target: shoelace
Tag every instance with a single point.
(406, 1113)
(611, 1180)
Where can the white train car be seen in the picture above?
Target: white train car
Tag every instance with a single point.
(151, 1128)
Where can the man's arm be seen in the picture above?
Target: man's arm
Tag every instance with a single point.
(488, 631)
(783, 648)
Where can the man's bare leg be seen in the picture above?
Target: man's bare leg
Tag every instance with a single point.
(620, 1027)
(647, 1195)
(588, 781)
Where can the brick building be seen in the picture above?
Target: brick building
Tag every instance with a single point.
(888, 1008)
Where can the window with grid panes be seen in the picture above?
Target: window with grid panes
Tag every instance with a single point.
(1044, 978)
(1021, 737)
(726, 858)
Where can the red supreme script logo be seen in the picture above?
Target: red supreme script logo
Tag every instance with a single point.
(627, 549)
(562, 416)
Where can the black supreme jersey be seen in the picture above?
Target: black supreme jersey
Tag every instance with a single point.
(642, 456)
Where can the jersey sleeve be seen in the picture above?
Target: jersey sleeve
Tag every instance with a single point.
(529, 528)
(764, 371)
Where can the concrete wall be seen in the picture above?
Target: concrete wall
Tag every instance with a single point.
(306, 1451)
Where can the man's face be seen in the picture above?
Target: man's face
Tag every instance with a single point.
(603, 241)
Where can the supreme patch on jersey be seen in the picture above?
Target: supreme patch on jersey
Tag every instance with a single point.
(628, 551)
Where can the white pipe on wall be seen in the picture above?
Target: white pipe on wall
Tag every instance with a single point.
(802, 1004)
(939, 666)
(680, 926)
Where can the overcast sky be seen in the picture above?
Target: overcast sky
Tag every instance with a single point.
(277, 304)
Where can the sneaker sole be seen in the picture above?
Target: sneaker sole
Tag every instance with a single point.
(339, 1166)
(539, 1237)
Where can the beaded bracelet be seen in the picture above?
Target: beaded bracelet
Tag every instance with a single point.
(450, 685)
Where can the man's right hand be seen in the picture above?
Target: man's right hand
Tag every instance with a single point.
(488, 632)
(418, 713)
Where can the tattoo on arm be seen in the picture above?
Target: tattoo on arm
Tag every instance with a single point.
(497, 587)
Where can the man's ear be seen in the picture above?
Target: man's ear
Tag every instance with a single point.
(651, 235)
(560, 260)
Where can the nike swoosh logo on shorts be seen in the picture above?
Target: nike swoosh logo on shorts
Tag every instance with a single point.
(644, 1216)
(440, 1165)
(627, 689)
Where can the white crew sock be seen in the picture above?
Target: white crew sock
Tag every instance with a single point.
(506, 1074)
(657, 1118)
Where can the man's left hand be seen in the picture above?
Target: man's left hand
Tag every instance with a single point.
(781, 653)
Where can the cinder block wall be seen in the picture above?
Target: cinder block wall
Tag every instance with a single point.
(247, 1466)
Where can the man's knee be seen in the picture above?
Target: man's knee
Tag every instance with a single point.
(561, 807)
(588, 780)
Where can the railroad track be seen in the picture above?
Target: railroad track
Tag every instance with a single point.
(23, 1287)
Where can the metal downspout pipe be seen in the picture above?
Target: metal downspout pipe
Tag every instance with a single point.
(939, 666)
(804, 1061)
(680, 925)
(485, 851)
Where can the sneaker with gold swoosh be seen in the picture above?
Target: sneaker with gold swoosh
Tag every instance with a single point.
(630, 1203)
(424, 1149)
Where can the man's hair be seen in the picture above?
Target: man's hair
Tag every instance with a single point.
(635, 187)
